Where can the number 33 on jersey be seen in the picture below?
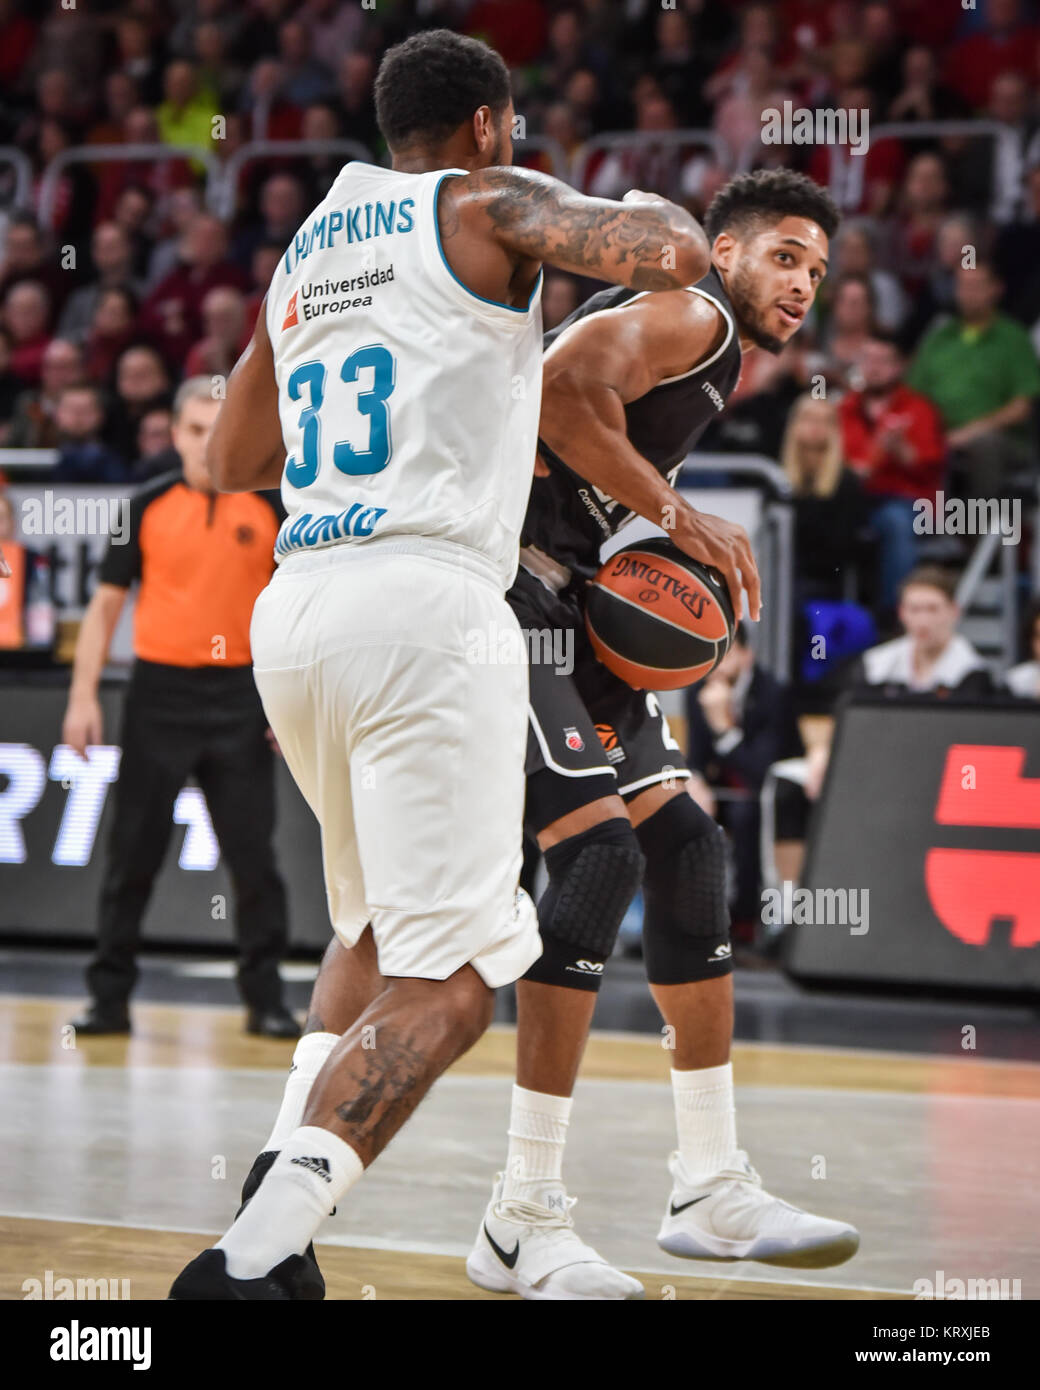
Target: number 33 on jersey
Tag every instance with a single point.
(380, 353)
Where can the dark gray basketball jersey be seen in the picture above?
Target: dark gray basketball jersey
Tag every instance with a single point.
(567, 517)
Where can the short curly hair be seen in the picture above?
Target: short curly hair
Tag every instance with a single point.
(431, 83)
(764, 197)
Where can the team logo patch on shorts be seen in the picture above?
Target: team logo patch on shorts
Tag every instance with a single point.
(573, 740)
(611, 743)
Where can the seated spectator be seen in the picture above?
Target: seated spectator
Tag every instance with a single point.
(892, 438)
(863, 183)
(261, 271)
(112, 330)
(220, 79)
(560, 297)
(756, 415)
(1024, 680)
(282, 207)
(120, 97)
(159, 176)
(922, 204)
(855, 254)
(922, 96)
(680, 67)
(72, 206)
(658, 166)
(185, 116)
(956, 240)
(335, 30)
(26, 257)
(932, 657)
(133, 211)
(27, 316)
(270, 117)
(32, 421)
(352, 98)
(10, 388)
(739, 722)
(850, 327)
(223, 319)
(172, 314)
(829, 504)
(305, 79)
(176, 215)
(320, 122)
(1006, 156)
(1004, 43)
(83, 457)
(138, 56)
(1016, 255)
(112, 258)
(981, 372)
(155, 451)
(142, 383)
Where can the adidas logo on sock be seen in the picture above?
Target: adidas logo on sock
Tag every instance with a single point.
(316, 1165)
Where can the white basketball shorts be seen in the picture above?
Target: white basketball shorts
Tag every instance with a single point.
(406, 736)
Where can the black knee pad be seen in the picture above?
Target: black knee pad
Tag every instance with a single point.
(592, 879)
(685, 916)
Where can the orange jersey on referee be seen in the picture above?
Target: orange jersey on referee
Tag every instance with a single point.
(201, 559)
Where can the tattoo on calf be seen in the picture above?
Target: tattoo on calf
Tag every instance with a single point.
(392, 1083)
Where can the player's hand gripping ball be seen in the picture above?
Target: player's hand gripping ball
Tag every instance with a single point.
(657, 618)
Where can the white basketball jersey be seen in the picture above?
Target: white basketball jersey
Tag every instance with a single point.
(409, 404)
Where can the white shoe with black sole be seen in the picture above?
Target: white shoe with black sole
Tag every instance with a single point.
(528, 1246)
(730, 1216)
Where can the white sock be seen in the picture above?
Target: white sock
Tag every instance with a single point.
(706, 1118)
(311, 1173)
(308, 1059)
(537, 1135)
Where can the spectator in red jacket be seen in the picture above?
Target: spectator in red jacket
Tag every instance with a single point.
(172, 313)
(1006, 44)
(27, 317)
(892, 437)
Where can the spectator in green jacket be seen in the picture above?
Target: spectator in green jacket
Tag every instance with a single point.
(981, 372)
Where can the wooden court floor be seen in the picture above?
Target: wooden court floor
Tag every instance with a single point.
(205, 1047)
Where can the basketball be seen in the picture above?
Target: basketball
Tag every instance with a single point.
(657, 618)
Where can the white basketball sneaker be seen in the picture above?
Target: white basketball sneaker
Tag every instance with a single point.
(729, 1216)
(530, 1247)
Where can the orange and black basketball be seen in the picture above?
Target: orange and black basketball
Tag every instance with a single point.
(657, 618)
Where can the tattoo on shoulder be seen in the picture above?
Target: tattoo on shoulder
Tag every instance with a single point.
(555, 221)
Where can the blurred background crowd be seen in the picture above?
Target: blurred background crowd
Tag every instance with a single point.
(917, 374)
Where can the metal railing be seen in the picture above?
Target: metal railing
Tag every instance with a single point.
(17, 459)
(113, 154)
(775, 547)
(222, 184)
(642, 140)
(990, 547)
(23, 174)
(545, 144)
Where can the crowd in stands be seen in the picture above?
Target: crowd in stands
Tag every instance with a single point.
(917, 372)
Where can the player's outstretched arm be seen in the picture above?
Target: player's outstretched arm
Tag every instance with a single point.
(245, 452)
(598, 365)
(645, 242)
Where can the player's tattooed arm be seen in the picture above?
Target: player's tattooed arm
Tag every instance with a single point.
(245, 452)
(645, 241)
(592, 371)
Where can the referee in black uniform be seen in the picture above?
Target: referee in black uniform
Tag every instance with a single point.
(200, 559)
